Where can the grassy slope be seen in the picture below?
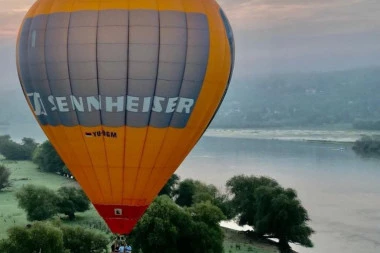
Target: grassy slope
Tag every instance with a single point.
(238, 242)
(25, 172)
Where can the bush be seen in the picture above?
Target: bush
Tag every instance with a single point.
(4, 177)
(47, 158)
(80, 240)
(39, 237)
(48, 238)
(72, 200)
(40, 203)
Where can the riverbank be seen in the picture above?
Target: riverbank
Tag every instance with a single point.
(242, 242)
(333, 136)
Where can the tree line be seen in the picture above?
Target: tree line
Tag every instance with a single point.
(368, 146)
(44, 155)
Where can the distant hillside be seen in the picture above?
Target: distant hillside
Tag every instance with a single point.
(287, 100)
(304, 100)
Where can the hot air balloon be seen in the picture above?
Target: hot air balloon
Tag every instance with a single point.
(124, 89)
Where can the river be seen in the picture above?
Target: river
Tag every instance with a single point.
(340, 190)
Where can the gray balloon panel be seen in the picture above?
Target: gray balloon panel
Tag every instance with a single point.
(114, 67)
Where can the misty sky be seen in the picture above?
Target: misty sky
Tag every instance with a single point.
(271, 35)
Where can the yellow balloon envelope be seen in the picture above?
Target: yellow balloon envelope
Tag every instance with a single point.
(124, 89)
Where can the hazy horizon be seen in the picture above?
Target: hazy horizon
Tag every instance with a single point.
(271, 36)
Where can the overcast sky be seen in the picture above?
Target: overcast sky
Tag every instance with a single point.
(271, 35)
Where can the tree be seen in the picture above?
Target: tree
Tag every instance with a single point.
(243, 188)
(80, 240)
(72, 200)
(47, 158)
(207, 232)
(190, 192)
(4, 139)
(29, 145)
(15, 151)
(172, 229)
(193, 191)
(368, 146)
(4, 177)
(169, 187)
(39, 237)
(272, 210)
(185, 193)
(280, 214)
(40, 203)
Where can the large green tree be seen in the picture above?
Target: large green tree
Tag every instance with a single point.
(4, 177)
(72, 200)
(185, 192)
(39, 237)
(272, 210)
(166, 227)
(47, 158)
(243, 188)
(39, 202)
(170, 186)
(190, 192)
(280, 215)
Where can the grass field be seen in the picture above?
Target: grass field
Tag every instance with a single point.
(238, 242)
(26, 172)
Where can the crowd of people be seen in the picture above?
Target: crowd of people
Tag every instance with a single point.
(121, 247)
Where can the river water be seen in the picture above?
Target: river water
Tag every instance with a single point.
(340, 190)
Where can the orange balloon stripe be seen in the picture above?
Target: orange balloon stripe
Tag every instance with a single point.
(135, 140)
(115, 153)
(49, 6)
